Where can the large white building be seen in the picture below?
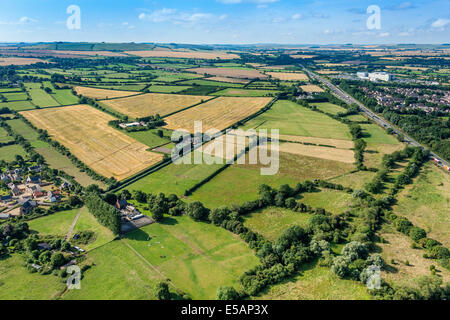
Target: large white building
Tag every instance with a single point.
(375, 76)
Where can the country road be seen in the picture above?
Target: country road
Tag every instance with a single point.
(378, 119)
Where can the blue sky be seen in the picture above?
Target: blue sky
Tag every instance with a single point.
(227, 21)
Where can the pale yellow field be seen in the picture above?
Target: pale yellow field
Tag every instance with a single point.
(227, 146)
(408, 68)
(327, 72)
(217, 114)
(86, 133)
(342, 144)
(184, 54)
(302, 56)
(102, 93)
(19, 61)
(288, 76)
(148, 104)
(312, 88)
(341, 155)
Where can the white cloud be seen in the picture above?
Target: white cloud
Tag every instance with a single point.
(384, 34)
(297, 16)
(248, 1)
(440, 23)
(176, 17)
(26, 20)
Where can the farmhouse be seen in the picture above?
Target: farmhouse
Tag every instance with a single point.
(65, 185)
(5, 178)
(15, 190)
(33, 189)
(121, 204)
(35, 169)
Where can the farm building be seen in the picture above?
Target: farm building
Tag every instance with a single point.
(27, 207)
(34, 179)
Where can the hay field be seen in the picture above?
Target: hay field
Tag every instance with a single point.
(184, 54)
(217, 114)
(288, 76)
(341, 144)
(312, 88)
(19, 61)
(101, 94)
(341, 155)
(85, 132)
(153, 103)
(230, 73)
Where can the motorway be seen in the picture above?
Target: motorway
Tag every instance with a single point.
(382, 122)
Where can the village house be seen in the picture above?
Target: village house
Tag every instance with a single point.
(35, 169)
(33, 188)
(6, 199)
(5, 178)
(27, 207)
(4, 216)
(53, 196)
(15, 190)
(34, 179)
(121, 204)
(65, 185)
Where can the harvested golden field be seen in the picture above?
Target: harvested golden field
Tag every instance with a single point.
(230, 73)
(184, 54)
(19, 61)
(288, 76)
(341, 155)
(86, 133)
(302, 56)
(231, 80)
(148, 104)
(217, 114)
(398, 248)
(311, 88)
(328, 72)
(101, 94)
(341, 144)
(408, 68)
(227, 146)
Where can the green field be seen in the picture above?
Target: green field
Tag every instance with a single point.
(17, 105)
(39, 97)
(231, 92)
(64, 97)
(16, 96)
(317, 283)
(293, 119)
(148, 138)
(331, 200)
(57, 224)
(17, 283)
(240, 183)
(272, 222)
(186, 252)
(329, 108)
(87, 222)
(355, 180)
(211, 83)
(4, 136)
(374, 134)
(118, 274)
(8, 153)
(427, 203)
(174, 178)
(167, 89)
